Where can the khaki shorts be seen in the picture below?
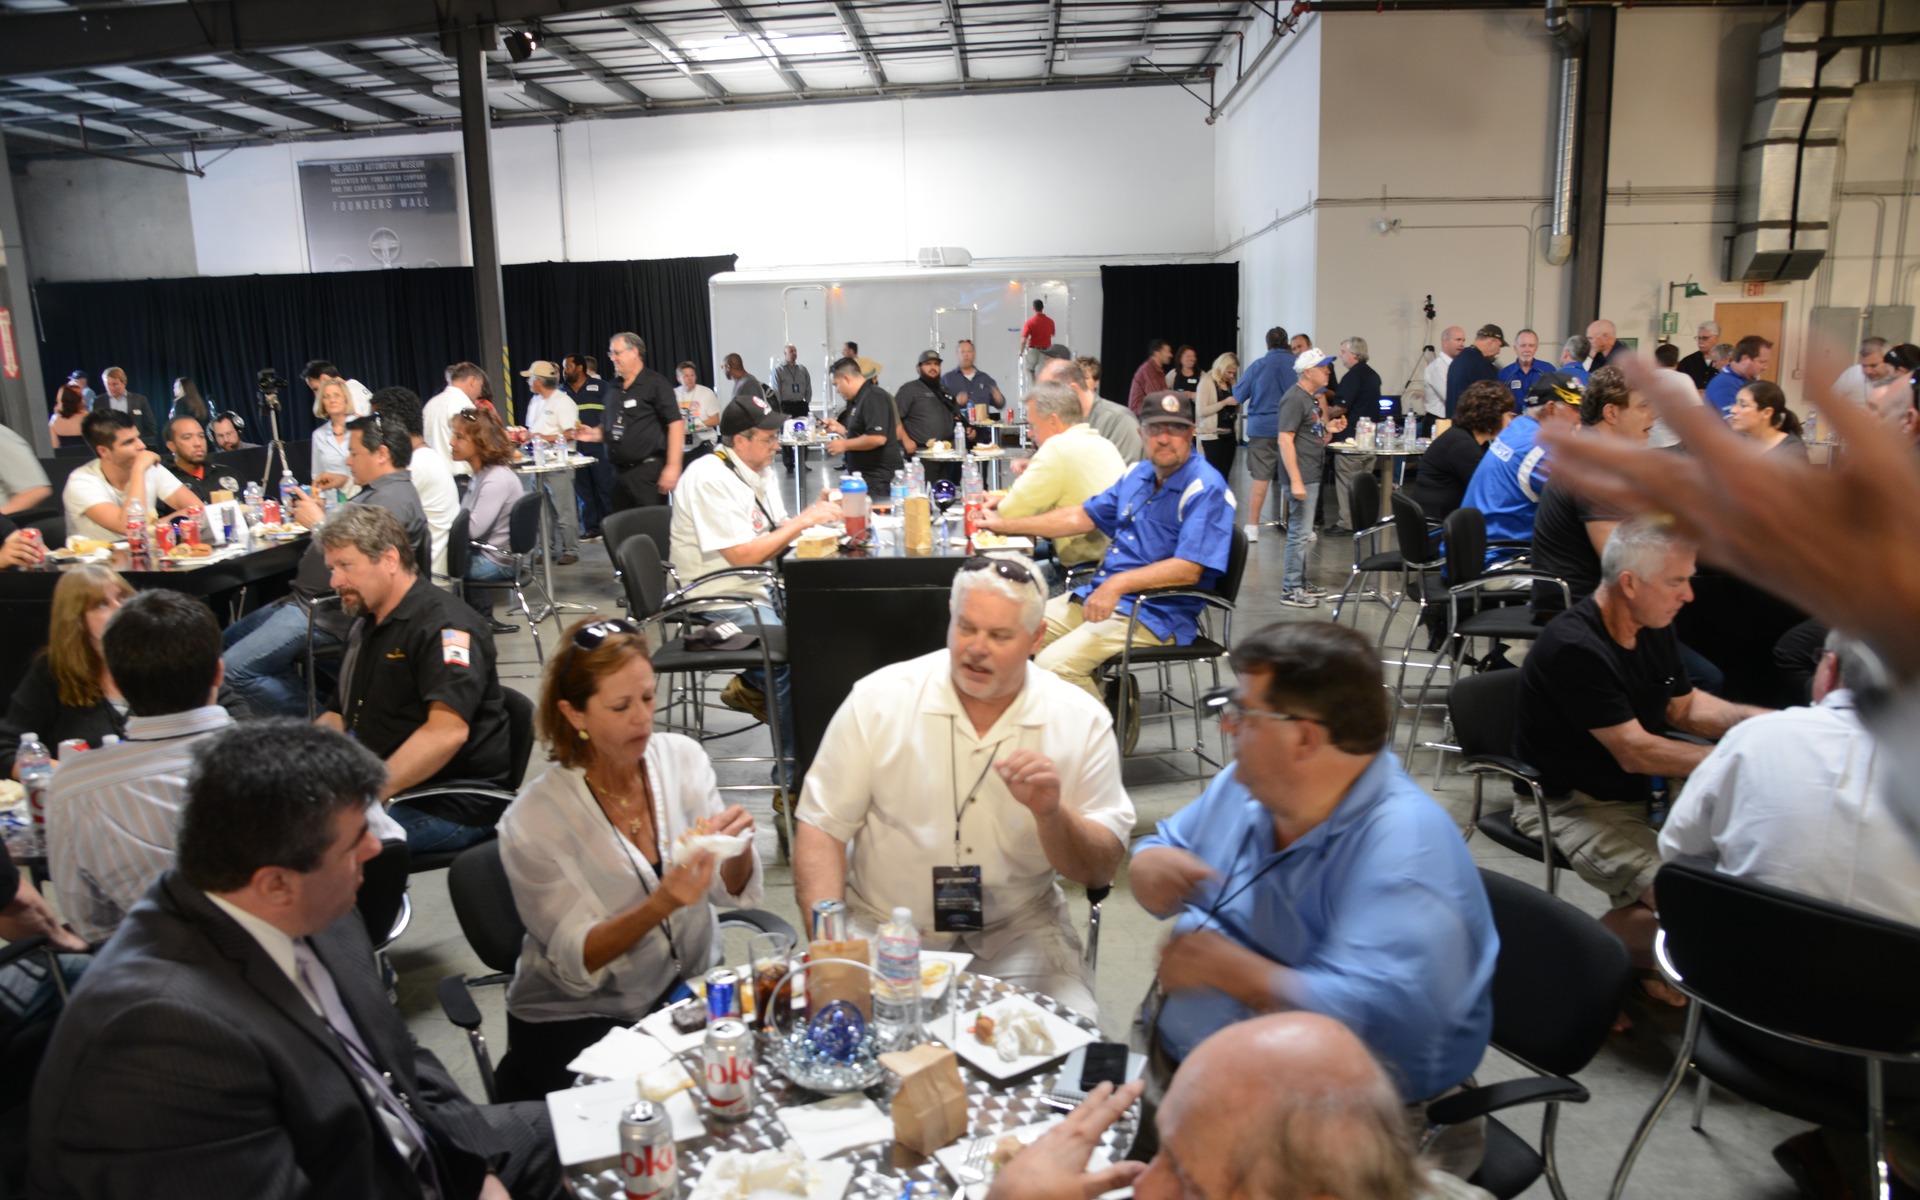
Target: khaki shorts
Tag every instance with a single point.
(1610, 843)
(1263, 458)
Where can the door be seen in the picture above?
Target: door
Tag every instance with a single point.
(809, 330)
(1764, 318)
(951, 326)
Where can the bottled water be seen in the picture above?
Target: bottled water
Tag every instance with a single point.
(255, 501)
(287, 486)
(896, 993)
(960, 437)
(36, 776)
(899, 492)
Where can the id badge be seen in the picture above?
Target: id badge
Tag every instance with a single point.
(957, 902)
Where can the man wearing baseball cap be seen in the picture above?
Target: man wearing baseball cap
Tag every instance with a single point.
(1304, 426)
(553, 417)
(1474, 364)
(1171, 521)
(927, 411)
(1506, 486)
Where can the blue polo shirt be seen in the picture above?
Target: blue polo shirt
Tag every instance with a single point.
(1189, 516)
(1260, 388)
(1723, 389)
(1378, 909)
(978, 390)
(1521, 382)
(1506, 485)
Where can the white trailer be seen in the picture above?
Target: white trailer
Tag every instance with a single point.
(896, 313)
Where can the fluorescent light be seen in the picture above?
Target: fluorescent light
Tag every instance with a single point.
(735, 45)
(1081, 50)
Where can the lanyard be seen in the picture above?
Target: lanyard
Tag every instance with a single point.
(659, 844)
(953, 762)
(759, 501)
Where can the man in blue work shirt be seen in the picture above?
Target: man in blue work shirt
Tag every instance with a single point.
(1526, 368)
(1751, 357)
(1506, 485)
(1262, 384)
(1171, 521)
(594, 483)
(1314, 873)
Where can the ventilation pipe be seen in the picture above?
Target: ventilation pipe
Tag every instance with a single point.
(1567, 38)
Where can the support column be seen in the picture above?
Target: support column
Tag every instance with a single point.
(23, 394)
(1590, 190)
(469, 46)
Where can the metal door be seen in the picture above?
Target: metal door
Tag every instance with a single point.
(951, 326)
(809, 330)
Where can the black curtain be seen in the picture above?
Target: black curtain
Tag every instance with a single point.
(1187, 305)
(380, 327)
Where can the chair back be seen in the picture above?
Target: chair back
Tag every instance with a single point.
(523, 523)
(1410, 528)
(1465, 530)
(1790, 963)
(1363, 500)
(460, 545)
(383, 885)
(483, 902)
(657, 523)
(519, 735)
(1559, 979)
(1485, 710)
(626, 523)
(1229, 587)
(423, 554)
(641, 576)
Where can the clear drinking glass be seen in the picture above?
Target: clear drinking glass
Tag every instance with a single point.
(771, 955)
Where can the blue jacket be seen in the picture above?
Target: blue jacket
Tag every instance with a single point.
(1507, 484)
(1723, 389)
(1261, 387)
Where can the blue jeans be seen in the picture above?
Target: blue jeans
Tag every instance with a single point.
(481, 569)
(261, 650)
(1299, 526)
(756, 678)
(427, 834)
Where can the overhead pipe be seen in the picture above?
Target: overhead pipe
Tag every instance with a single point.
(1565, 144)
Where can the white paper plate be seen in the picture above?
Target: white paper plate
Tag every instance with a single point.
(834, 1176)
(953, 1157)
(956, 962)
(1067, 1037)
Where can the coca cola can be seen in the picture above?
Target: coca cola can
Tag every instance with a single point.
(163, 536)
(31, 537)
(728, 1057)
(270, 512)
(194, 514)
(723, 994)
(647, 1160)
(72, 746)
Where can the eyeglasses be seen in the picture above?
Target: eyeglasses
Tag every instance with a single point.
(1005, 568)
(1220, 703)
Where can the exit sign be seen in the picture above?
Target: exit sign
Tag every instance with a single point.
(1754, 289)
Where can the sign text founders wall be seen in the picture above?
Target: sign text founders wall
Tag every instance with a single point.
(372, 213)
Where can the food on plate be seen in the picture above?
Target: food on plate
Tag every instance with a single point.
(1018, 1032)
(81, 545)
(983, 1029)
(662, 1081)
(988, 451)
(736, 1175)
(689, 1017)
(934, 974)
(1006, 1150)
(189, 551)
(985, 539)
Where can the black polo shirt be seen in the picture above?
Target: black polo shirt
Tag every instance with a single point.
(873, 411)
(202, 485)
(431, 647)
(641, 411)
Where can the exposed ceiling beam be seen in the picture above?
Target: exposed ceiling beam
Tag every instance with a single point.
(148, 99)
(228, 90)
(132, 158)
(33, 43)
(756, 33)
(94, 110)
(959, 41)
(56, 130)
(1227, 34)
(381, 67)
(857, 34)
(593, 69)
(1053, 39)
(540, 95)
(670, 50)
(319, 85)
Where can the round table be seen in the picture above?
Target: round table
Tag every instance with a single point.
(994, 463)
(1386, 455)
(540, 474)
(882, 1168)
(796, 448)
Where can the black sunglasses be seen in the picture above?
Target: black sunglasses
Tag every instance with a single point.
(1005, 568)
(592, 636)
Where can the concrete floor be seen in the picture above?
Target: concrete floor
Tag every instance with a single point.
(1731, 1160)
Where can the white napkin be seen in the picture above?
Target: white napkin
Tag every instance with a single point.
(723, 845)
(586, 1120)
(825, 1129)
(622, 1054)
(659, 1026)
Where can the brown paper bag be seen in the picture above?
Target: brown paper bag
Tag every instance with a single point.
(930, 1109)
(918, 529)
(828, 982)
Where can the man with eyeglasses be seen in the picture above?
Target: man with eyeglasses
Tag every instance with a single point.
(1315, 874)
(965, 781)
(1696, 366)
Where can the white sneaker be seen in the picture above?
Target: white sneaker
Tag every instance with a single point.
(1253, 533)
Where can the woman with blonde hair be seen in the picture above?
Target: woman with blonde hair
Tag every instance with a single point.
(331, 441)
(619, 911)
(67, 692)
(1215, 406)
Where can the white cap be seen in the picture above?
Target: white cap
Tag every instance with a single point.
(903, 916)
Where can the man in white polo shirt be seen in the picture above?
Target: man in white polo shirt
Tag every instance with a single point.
(966, 781)
(553, 416)
(96, 495)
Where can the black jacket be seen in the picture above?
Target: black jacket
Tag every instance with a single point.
(927, 411)
(142, 414)
(36, 708)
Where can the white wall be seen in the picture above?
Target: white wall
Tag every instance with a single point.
(91, 218)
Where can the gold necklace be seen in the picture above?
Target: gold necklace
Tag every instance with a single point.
(626, 806)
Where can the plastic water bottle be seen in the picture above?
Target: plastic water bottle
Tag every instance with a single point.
(136, 512)
(898, 492)
(256, 504)
(288, 485)
(960, 436)
(896, 994)
(36, 776)
(853, 506)
(916, 478)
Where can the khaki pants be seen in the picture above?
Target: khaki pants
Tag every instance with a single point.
(1075, 646)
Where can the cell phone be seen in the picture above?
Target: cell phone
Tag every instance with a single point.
(1106, 1062)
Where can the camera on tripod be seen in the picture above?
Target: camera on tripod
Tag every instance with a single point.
(268, 385)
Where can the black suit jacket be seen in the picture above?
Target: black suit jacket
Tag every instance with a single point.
(187, 1065)
(142, 414)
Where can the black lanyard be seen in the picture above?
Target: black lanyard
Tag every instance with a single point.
(953, 763)
(758, 503)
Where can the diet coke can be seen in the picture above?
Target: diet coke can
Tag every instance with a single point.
(270, 512)
(647, 1159)
(71, 748)
(728, 1056)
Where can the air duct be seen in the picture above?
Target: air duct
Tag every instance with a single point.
(1788, 160)
(1565, 36)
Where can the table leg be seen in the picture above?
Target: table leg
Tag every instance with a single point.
(799, 454)
(1386, 482)
(552, 605)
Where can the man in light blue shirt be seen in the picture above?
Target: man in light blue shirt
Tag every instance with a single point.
(1315, 874)
(1262, 384)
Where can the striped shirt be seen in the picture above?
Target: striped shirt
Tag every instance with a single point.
(112, 815)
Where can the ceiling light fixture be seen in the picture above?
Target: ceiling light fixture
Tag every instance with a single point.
(520, 44)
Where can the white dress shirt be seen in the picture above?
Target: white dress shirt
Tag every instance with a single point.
(1798, 799)
(437, 420)
(899, 759)
(719, 504)
(1435, 381)
(571, 870)
(439, 498)
(1853, 385)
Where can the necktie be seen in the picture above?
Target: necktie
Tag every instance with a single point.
(408, 1136)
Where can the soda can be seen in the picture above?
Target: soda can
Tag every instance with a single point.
(723, 994)
(72, 746)
(829, 920)
(194, 513)
(647, 1162)
(270, 512)
(163, 536)
(32, 537)
(728, 1057)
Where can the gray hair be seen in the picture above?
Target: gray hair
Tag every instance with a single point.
(1356, 346)
(1722, 352)
(631, 341)
(1056, 400)
(1346, 1141)
(1639, 546)
(1873, 345)
(368, 528)
(1065, 371)
(848, 366)
(1578, 346)
(1709, 327)
(1856, 673)
(1031, 597)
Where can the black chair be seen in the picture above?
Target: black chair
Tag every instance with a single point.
(459, 553)
(382, 900)
(1363, 500)
(655, 522)
(519, 751)
(21, 1053)
(1420, 581)
(523, 545)
(1847, 989)
(1557, 984)
(1204, 648)
(483, 903)
(1484, 709)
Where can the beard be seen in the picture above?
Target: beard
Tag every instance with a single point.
(352, 603)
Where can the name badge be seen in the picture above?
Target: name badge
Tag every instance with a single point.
(631, 404)
(958, 906)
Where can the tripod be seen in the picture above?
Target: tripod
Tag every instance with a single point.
(1419, 370)
(270, 400)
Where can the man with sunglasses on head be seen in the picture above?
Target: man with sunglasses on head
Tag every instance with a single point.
(1315, 874)
(966, 780)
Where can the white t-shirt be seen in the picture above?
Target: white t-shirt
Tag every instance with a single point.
(88, 486)
(1853, 385)
(436, 418)
(439, 498)
(716, 505)
(1435, 381)
(699, 404)
(551, 416)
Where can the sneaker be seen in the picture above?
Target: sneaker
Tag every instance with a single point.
(739, 697)
(1253, 533)
(1314, 589)
(1312, 536)
(567, 559)
(591, 535)
(1298, 598)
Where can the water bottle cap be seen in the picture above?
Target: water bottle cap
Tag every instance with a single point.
(29, 737)
(903, 916)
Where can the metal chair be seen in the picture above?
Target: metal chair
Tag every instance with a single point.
(1363, 500)
(519, 751)
(1420, 567)
(1849, 992)
(1484, 710)
(523, 545)
(459, 553)
(656, 523)
(1557, 985)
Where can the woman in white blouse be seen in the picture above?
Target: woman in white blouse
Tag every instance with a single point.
(330, 440)
(617, 917)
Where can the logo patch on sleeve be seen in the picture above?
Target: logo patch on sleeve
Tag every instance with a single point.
(456, 647)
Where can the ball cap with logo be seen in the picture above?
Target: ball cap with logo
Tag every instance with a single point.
(747, 413)
(1167, 408)
(927, 356)
(1556, 385)
(1310, 358)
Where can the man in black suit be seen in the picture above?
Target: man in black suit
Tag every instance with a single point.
(234, 1035)
(118, 398)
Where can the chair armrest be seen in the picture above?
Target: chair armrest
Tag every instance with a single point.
(676, 610)
(455, 787)
(768, 574)
(1677, 736)
(1509, 1093)
(758, 918)
(493, 548)
(1500, 764)
(13, 952)
(1213, 598)
(457, 1002)
(1510, 543)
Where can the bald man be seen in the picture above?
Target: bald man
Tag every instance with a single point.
(1605, 341)
(1453, 340)
(1284, 1105)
